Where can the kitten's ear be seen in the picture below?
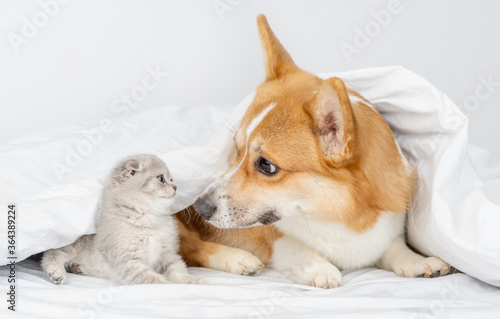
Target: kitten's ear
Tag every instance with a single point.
(131, 167)
(124, 170)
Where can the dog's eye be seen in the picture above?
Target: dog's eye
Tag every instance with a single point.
(266, 167)
(161, 178)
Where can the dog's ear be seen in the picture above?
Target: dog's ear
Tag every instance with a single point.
(277, 60)
(335, 122)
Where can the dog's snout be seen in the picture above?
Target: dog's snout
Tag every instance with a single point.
(204, 208)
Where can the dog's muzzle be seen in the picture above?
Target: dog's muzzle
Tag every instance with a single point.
(204, 208)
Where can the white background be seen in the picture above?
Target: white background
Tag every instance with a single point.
(83, 58)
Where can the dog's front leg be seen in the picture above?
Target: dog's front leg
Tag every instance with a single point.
(303, 264)
(400, 259)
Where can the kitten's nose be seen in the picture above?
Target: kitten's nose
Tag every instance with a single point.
(174, 187)
(204, 208)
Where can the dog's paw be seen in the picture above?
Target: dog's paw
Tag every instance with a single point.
(423, 267)
(320, 274)
(236, 261)
(57, 275)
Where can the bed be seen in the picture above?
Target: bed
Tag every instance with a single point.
(54, 179)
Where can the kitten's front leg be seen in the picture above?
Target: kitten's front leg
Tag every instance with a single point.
(131, 271)
(176, 271)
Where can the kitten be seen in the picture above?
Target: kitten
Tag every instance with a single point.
(136, 238)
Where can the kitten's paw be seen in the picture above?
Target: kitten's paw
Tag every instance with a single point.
(196, 280)
(74, 268)
(236, 261)
(161, 282)
(187, 279)
(424, 267)
(320, 274)
(58, 276)
(155, 280)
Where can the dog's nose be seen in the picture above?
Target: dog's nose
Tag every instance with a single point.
(204, 208)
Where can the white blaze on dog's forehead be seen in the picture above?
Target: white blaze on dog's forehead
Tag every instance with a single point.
(258, 119)
(250, 128)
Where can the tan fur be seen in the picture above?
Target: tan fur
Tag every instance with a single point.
(200, 241)
(339, 161)
(372, 179)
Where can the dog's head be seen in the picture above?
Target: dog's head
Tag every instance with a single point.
(297, 150)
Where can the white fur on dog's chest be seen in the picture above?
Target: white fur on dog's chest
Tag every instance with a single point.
(343, 247)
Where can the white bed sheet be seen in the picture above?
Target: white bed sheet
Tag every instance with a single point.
(367, 293)
(196, 144)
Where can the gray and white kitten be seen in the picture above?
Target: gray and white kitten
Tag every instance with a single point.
(136, 240)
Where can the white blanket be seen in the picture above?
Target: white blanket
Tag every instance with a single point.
(53, 176)
(368, 293)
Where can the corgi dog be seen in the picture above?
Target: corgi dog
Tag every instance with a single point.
(318, 185)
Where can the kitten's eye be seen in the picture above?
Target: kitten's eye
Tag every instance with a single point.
(171, 179)
(161, 178)
(266, 167)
